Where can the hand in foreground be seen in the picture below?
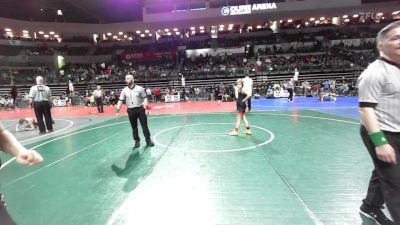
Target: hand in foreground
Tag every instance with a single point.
(29, 157)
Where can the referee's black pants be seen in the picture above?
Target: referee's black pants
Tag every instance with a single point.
(139, 113)
(384, 186)
(5, 218)
(43, 109)
(99, 103)
(290, 90)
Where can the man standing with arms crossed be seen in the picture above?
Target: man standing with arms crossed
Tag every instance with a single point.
(136, 100)
(10, 145)
(379, 102)
(40, 96)
(98, 95)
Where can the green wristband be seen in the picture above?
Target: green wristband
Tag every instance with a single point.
(378, 138)
(117, 110)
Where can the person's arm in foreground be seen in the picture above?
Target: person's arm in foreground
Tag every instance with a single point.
(10, 145)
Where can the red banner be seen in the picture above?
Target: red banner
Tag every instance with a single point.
(147, 56)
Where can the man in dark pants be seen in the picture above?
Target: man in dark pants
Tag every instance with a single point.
(98, 95)
(136, 99)
(379, 100)
(40, 96)
(290, 89)
(10, 145)
(14, 95)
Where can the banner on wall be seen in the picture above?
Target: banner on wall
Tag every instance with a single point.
(147, 56)
(59, 103)
(285, 46)
(347, 42)
(172, 98)
(214, 51)
(281, 94)
(370, 16)
(247, 9)
(14, 42)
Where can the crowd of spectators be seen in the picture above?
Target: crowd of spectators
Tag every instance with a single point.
(26, 75)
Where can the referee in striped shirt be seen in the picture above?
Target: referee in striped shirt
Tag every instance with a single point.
(136, 100)
(379, 102)
(98, 95)
(39, 97)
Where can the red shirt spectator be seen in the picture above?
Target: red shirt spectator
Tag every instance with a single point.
(156, 92)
